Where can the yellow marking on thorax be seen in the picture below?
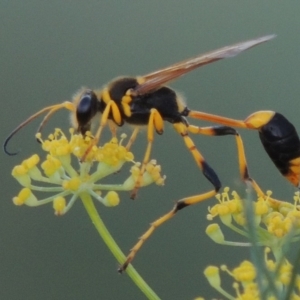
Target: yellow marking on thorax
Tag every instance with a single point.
(126, 100)
(126, 109)
(180, 102)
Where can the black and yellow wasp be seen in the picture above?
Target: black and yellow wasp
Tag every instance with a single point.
(145, 100)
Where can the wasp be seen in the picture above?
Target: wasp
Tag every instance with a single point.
(146, 100)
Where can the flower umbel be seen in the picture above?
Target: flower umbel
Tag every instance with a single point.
(274, 220)
(245, 279)
(67, 183)
(64, 181)
(265, 222)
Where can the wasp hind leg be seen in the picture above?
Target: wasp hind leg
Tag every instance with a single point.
(207, 171)
(243, 167)
(180, 204)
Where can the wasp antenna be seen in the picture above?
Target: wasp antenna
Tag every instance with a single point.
(51, 109)
(23, 124)
(12, 134)
(5, 145)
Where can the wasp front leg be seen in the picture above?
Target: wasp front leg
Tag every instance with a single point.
(111, 107)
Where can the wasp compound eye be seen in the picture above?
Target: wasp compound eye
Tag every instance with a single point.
(86, 110)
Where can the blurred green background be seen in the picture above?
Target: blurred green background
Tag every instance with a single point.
(48, 50)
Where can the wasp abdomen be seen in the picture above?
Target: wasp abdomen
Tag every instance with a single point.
(281, 141)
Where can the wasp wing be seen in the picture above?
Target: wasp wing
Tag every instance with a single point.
(155, 79)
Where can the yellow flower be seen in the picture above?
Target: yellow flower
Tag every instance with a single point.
(24, 196)
(276, 225)
(213, 276)
(66, 183)
(227, 208)
(273, 219)
(245, 280)
(245, 272)
(215, 233)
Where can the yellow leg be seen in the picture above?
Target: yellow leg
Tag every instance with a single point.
(154, 225)
(112, 128)
(207, 171)
(104, 119)
(217, 119)
(110, 107)
(243, 167)
(132, 138)
(245, 174)
(155, 122)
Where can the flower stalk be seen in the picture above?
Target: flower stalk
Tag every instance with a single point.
(114, 248)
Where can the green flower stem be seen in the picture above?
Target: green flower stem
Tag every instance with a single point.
(114, 248)
(238, 230)
(52, 189)
(257, 255)
(224, 293)
(238, 244)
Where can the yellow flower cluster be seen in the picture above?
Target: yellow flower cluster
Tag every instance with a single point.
(276, 225)
(245, 280)
(63, 180)
(273, 219)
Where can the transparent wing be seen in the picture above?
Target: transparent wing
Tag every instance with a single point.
(155, 79)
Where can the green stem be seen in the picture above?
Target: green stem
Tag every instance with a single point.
(113, 247)
(224, 293)
(238, 244)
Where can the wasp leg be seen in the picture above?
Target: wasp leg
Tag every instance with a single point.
(244, 168)
(132, 138)
(111, 107)
(207, 171)
(255, 121)
(180, 204)
(217, 119)
(112, 128)
(245, 174)
(155, 122)
(225, 130)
